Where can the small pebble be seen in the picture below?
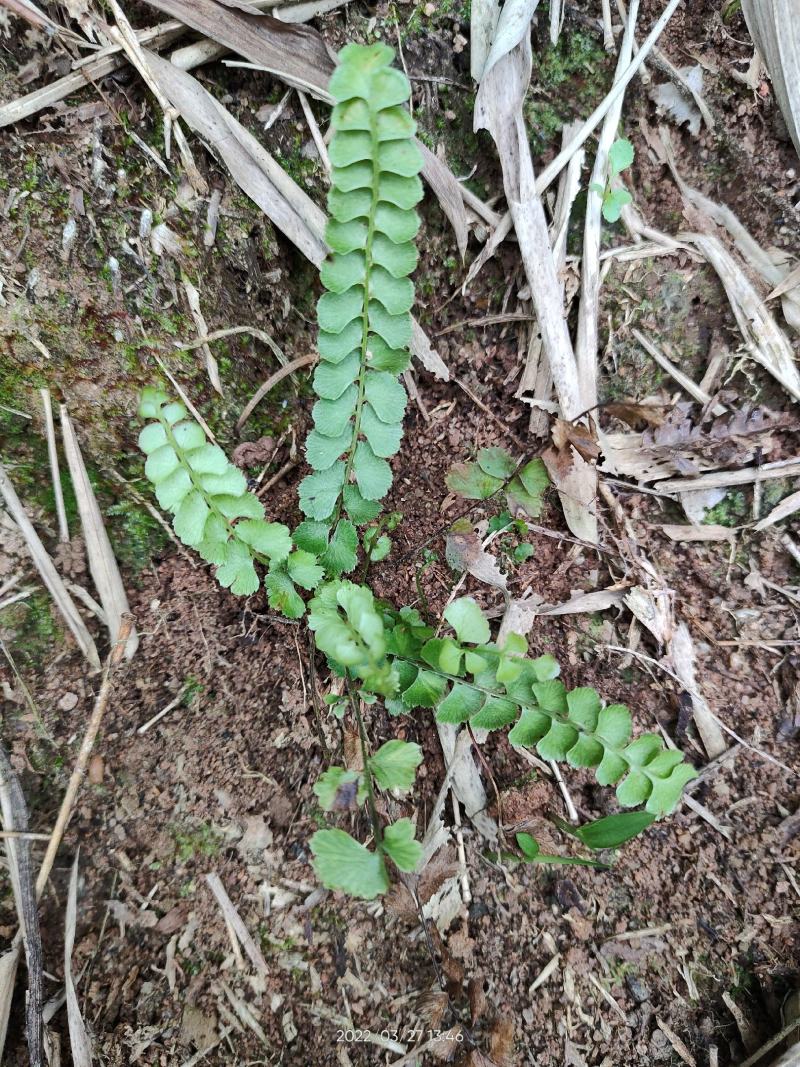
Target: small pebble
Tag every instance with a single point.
(639, 990)
(68, 702)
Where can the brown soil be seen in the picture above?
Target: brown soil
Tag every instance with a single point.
(223, 782)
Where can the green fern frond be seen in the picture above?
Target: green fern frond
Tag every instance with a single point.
(215, 513)
(364, 320)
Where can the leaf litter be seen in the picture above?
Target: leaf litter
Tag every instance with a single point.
(686, 440)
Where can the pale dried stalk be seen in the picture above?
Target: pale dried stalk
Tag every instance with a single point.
(778, 276)
(185, 398)
(788, 506)
(498, 108)
(721, 479)
(586, 342)
(270, 383)
(102, 562)
(124, 35)
(79, 1040)
(212, 367)
(49, 574)
(536, 376)
(686, 383)
(765, 341)
(233, 917)
(18, 852)
(206, 51)
(264, 181)
(55, 474)
(554, 168)
(319, 143)
(683, 663)
(84, 752)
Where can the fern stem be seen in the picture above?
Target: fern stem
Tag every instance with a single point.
(377, 831)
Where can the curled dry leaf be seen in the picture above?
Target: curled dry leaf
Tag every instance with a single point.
(635, 414)
(765, 340)
(581, 438)
(653, 609)
(726, 439)
(465, 552)
(576, 482)
(675, 103)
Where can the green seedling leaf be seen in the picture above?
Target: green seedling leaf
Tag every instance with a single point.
(400, 846)
(337, 789)
(532, 853)
(614, 202)
(620, 156)
(496, 462)
(614, 830)
(468, 621)
(342, 863)
(468, 480)
(395, 763)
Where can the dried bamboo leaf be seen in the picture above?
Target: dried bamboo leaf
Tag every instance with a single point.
(498, 109)
(300, 56)
(49, 574)
(212, 367)
(9, 962)
(97, 68)
(775, 29)
(778, 275)
(448, 193)
(653, 609)
(18, 853)
(596, 600)
(512, 25)
(297, 54)
(465, 552)
(576, 482)
(102, 563)
(784, 468)
(765, 340)
(788, 506)
(80, 1044)
(482, 23)
(683, 663)
(669, 98)
(712, 532)
(555, 166)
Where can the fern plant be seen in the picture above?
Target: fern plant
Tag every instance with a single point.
(381, 651)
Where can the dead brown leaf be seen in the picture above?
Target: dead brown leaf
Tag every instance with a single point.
(298, 54)
(635, 414)
(464, 552)
(501, 1042)
(581, 438)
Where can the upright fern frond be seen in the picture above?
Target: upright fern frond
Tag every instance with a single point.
(364, 320)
